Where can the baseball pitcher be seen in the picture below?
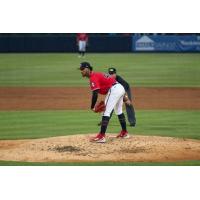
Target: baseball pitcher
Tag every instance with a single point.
(101, 83)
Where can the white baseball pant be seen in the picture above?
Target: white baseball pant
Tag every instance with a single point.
(82, 45)
(114, 100)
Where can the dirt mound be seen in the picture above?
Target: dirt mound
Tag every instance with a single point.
(77, 148)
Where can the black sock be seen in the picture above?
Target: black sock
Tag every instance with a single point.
(104, 124)
(122, 121)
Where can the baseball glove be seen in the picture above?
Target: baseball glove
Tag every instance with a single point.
(100, 107)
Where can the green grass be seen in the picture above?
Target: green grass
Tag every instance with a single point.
(178, 163)
(40, 124)
(160, 70)
(60, 69)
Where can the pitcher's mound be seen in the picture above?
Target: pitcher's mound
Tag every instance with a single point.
(77, 148)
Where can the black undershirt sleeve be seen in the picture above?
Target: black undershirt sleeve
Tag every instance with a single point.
(94, 98)
(123, 82)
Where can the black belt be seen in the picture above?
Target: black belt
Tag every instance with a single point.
(115, 83)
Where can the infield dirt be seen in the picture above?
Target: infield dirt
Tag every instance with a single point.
(27, 98)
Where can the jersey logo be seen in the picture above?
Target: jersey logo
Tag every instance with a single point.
(92, 84)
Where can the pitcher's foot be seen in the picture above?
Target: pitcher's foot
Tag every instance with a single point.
(100, 138)
(123, 134)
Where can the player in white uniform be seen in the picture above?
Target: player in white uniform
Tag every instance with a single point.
(82, 40)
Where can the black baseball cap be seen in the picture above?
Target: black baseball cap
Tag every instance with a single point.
(112, 70)
(84, 65)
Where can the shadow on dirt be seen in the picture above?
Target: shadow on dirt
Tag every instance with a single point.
(65, 149)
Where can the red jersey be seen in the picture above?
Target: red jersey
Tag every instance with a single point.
(101, 81)
(82, 37)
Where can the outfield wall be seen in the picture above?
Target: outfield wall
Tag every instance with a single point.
(165, 43)
(136, 43)
(64, 44)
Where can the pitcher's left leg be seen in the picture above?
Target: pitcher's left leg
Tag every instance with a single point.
(121, 118)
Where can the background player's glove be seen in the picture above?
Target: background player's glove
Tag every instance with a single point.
(100, 107)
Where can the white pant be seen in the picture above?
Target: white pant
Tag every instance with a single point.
(114, 100)
(82, 45)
